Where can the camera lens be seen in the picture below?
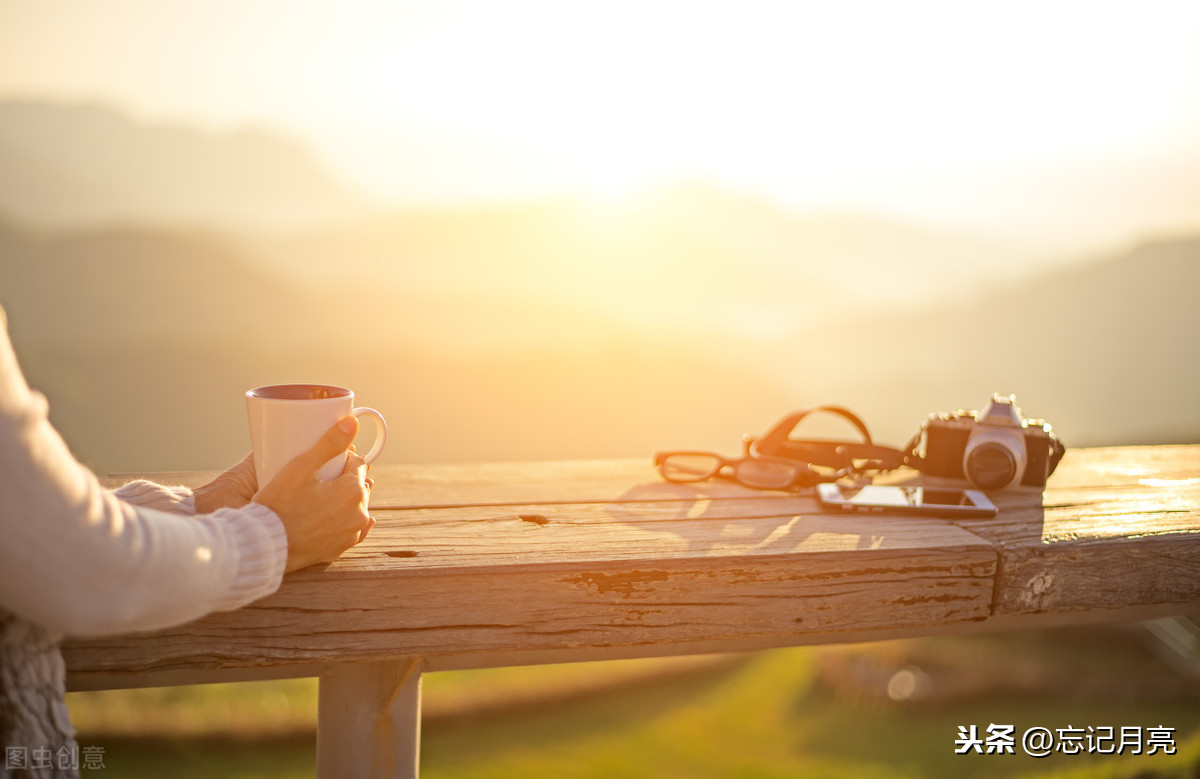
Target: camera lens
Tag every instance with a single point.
(991, 466)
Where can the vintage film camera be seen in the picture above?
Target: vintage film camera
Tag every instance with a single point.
(993, 449)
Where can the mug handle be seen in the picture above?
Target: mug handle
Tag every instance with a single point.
(380, 432)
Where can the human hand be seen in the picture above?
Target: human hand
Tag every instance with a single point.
(322, 518)
(232, 489)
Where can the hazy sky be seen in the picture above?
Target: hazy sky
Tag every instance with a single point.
(1045, 114)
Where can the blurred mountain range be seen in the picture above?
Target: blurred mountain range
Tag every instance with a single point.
(92, 164)
(567, 329)
(670, 257)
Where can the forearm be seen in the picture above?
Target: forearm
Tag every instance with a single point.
(80, 561)
(121, 568)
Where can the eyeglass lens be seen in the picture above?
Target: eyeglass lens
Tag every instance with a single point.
(752, 471)
(765, 474)
(690, 467)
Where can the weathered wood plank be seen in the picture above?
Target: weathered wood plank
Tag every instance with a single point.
(1119, 466)
(505, 585)
(1120, 528)
(106, 680)
(489, 564)
(484, 538)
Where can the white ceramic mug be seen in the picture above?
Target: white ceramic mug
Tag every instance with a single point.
(287, 419)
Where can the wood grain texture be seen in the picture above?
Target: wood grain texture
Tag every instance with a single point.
(478, 585)
(601, 558)
(1117, 527)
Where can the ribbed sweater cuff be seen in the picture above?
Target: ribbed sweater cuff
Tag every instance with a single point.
(260, 539)
(177, 500)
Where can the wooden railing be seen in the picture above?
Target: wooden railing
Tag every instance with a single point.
(500, 564)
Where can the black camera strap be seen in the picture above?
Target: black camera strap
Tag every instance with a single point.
(841, 457)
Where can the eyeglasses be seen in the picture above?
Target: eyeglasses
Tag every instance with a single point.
(776, 461)
(760, 473)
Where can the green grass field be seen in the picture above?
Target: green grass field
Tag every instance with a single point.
(823, 712)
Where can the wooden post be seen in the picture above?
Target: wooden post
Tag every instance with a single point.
(369, 719)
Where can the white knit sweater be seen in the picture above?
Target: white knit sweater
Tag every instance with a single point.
(85, 561)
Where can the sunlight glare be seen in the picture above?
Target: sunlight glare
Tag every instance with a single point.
(863, 104)
(852, 104)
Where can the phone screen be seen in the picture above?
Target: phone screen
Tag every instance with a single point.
(933, 501)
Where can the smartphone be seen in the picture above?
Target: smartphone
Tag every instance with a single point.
(929, 501)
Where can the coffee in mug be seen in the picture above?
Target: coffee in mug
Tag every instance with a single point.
(287, 419)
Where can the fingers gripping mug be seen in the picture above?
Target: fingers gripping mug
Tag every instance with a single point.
(287, 419)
